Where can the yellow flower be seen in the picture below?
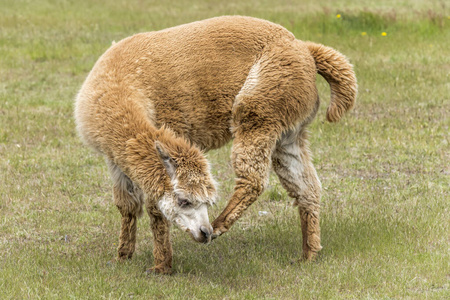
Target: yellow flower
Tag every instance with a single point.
(384, 34)
(363, 33)
(338, 16)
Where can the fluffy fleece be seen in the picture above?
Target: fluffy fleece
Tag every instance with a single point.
(194, 87)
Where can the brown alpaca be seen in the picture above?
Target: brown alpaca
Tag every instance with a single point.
(155, 100)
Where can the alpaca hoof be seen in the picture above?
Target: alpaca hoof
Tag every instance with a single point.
(218, 230)
(163, 270)
(309, 256)
(216, 234)
(123, 257)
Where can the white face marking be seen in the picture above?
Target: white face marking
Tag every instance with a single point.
(190, 219)
(193, 219)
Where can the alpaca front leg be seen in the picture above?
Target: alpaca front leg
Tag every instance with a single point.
(128, 210)
(128, 198)
(127, 238)
(162, 247)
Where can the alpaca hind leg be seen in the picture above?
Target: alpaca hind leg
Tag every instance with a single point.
(162, 247)
(251, 159)
(292, 163)
(128, 198)
(279, 90)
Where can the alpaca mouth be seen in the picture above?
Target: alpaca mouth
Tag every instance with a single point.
(207, 240)
(204, 240)
(204, 235)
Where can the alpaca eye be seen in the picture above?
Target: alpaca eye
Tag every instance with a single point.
(183, 202)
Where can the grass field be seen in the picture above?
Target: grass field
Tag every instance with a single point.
(385, 169)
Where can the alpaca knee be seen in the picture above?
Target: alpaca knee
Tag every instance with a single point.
(254, 185)
(128, 199)
(308, 199)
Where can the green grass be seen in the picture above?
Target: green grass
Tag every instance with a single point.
(384, 169)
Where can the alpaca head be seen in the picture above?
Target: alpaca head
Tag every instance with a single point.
(192, 189)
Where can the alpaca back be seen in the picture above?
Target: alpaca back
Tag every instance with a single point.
(188, 76)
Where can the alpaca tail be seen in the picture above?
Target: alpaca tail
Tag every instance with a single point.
(338, 72)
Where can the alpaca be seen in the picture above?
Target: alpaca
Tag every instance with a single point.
(155, 101)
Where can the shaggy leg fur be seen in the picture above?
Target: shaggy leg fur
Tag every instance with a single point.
(251, 161)
(292, 163)
(127, 238)
(260, 114)
(162, 251)
(128, 199)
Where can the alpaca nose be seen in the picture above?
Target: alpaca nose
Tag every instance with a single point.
(206, 231)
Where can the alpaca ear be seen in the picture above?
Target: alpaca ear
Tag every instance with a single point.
(169, 163)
